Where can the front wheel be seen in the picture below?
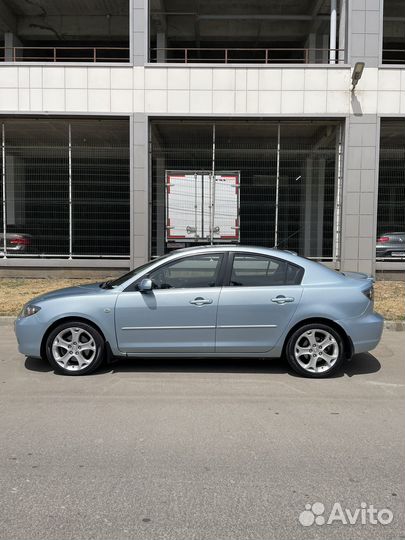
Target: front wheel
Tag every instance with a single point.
(75, 348)
(315, 350)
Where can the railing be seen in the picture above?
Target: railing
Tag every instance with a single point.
(246, 55)
(393, 56)
(64, 54)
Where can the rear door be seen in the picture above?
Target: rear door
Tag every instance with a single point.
(257, 302)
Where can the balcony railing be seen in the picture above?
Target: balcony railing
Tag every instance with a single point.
(64, 54)
(246, 55)
(393, 56)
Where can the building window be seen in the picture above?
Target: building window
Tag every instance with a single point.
(263, 31)
(391, 191)
(66, 187)
(394, 32)
(286, 174)
(61, 31)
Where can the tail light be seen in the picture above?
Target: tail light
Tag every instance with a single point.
(383, 239)
(369, 293)
(20, 241)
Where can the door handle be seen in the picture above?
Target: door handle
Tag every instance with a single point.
(282, 299)
(200, 301)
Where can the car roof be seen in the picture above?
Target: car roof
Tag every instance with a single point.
(227, 247)
(314, 271)
(232, 247)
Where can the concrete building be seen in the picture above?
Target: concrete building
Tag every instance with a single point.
(99, 100)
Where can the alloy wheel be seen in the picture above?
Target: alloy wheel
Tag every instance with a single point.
(316, 350)
(74, 349)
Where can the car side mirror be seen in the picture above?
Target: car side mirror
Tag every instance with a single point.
(145, 285)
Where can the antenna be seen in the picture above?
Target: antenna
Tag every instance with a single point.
(288, 237)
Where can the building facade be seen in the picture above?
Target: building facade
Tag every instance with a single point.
(101, 105)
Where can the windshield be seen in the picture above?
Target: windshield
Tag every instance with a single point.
(122, 279)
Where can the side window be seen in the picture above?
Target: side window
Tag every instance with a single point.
(262, 271)
(294, 274)
(257, 271)
(188, 273)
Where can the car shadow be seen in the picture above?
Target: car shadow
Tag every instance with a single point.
(37, 364)
(360, 364)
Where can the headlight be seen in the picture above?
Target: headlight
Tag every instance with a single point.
(29, 310)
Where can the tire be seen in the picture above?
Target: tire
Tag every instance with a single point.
(75, 348)
(315, 350)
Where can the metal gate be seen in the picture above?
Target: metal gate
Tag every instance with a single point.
(65, 189)
(290, 179)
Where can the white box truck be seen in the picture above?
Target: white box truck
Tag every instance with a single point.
(200, 205)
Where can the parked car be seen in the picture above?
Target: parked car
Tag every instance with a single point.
(16, 243)
(217, 301)
(391, 244)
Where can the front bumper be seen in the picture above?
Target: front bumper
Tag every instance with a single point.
(29, 332)
(365, 331)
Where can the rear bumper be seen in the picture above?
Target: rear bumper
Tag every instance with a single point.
(365, 331)
(390, 252)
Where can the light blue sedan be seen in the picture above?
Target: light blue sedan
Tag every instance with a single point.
(208, 301)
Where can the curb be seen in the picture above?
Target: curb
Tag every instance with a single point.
(7, 321)
(393, 326)
(396, 326)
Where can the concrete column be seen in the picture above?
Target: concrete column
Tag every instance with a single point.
(10, 41)
(342, 31)
(319, 209)
(308, 206)
(364, 35)
(314, 207)
(160, 206)
(311, 45)
(360, 180)
(15, 190)
(333, 31)
(360, 193)
(161, 44)
(10, 190)
(323, 46)
(140, 191)
(140, 32)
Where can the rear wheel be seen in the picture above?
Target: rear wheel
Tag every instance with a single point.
(75, 348)
(315, 350)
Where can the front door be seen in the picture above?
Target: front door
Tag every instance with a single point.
(178, 315)
(257, 305)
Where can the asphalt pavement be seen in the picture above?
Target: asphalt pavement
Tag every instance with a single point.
(202, 449)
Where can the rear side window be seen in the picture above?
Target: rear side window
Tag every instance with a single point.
(261, 271)
(294, 274)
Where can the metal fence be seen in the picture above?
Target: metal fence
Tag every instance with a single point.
(393, 32)
(391, 183)
(245, 55)
(64, 54)
(289, 178)
(393, 56)
(65, 188)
